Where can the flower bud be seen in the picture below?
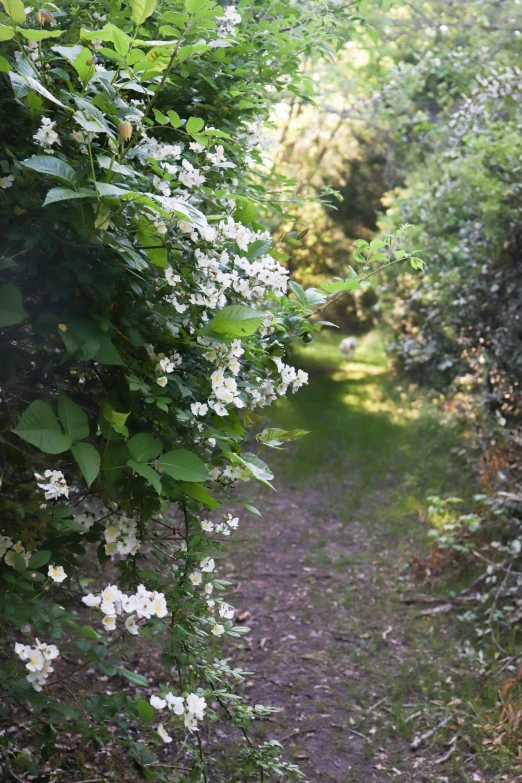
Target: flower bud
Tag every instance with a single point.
(43, 15)
(125, 129)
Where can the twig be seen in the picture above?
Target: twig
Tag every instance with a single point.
(297, 733)
(417, 742)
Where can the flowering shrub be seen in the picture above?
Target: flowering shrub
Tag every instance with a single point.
(144, 316)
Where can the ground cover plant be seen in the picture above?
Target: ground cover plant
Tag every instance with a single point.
(145, 316)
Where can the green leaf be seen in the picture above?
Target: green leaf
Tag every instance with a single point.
(74, 420)
(184, 465)
(11, 305)
(82, 67)
(19, 563)
(246, 212)
(256, 467)
(160, 117)
(194, 124)
(107, 352)
(136, 679)
(53, 167)
(199, 493)
(66, 194)
(342, 285)
(273, 436)
(39, 35)
(141, 10)
(148, 473)
(15, 9)
(5, 66)
(22, 84)
(144, 447)
(145, 711)
(39, 427)
(193, 6)
(6, 33)
(88, 460)
(39, 558)
(237, 321)
(174, 118)
(299, 292)
(88, 633)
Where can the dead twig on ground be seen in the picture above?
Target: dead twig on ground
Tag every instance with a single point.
(418, 741)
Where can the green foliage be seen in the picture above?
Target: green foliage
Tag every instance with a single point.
(144, 316)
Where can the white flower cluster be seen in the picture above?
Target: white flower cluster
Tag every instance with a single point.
(289, 377)
(7, 182)
(121, 536)
(229, 524)
(38, 658)
(113, 603)
(54, 484)
(46, 136)
(229, 21)
(192, 707)
(8, 550)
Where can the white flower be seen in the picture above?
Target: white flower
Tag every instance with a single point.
(7, 182)
(170, 276)
(49, 651)
(226, 611)
(157, 703)
(91, 600)
(159, 605)
(109, 622)
(5, 544)
(56, 573)
(196, 578)
(196, 705)
(199, 408)
(209, 587)
(175, 703)
(207, 565)
(162, 381)
(218, 629)
(35, 660)
(130, 625)
(166, 365)
(45, 135)
(111, 593)
(163, 734)
(190, 722)
(108, 607)
(207, 525)
(144, 607)
(55, 486)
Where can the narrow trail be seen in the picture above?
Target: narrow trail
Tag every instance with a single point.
(355, 672)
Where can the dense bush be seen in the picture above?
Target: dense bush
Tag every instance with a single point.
(144, 318)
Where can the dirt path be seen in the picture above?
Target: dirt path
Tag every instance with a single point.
(355, 672)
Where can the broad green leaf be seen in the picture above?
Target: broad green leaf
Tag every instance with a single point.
(19, 563)
(343, 285)
(184, 465)
(237, 321)
(160, 117)
(22, 84)
(81, 64)
(148, 473)
(107, 352)
(6, 33)
(15, 9)
(11, 305)
(194, 124)
(39, 427)
(136, 679)
(5, 66)
(39, 558)
(199, 493)
(274, 437)
(144, 447)
(193, 6)
(256, 467)
(174, 118)
(53, 167)
(141, 10)
(74, 420)
(258, 248)
(246, 212)
(145, 711)
(299, 292)
(66, 194)
(88, 633)
(39, 35)
(88, 459)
